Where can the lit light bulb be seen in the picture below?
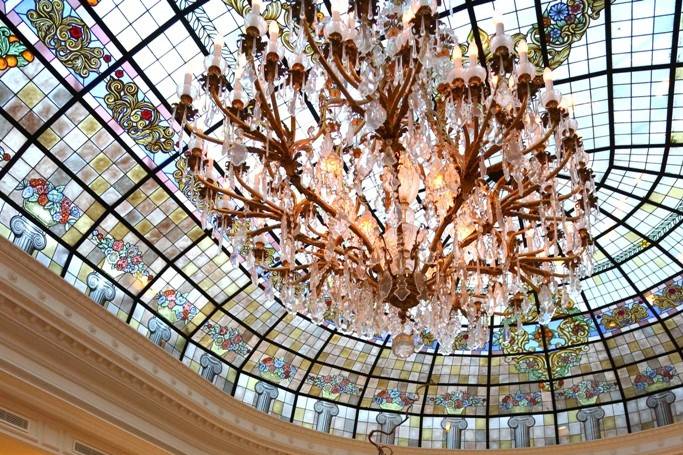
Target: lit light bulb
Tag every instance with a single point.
(523, 48)
(256, 6)
(548, 78)
(498, 23)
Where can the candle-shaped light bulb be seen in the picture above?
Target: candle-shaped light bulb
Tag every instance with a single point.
(256, 6)
(548, 79)
(408, 16)
(217, 49)
(187, 84)
(457, 54)
(498, 22)
(472, 50)
(339, 7)
(273, 31)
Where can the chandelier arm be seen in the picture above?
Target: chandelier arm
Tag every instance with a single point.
(352, 79)
(276, 112)
(330, 72)
(402, 97)
(544, 273)
(246, 129)
(234, 195)
(535, 202)
(244, 214)
(257, 195)
(263, 230)
(313, 197)
(566, 259)
(275, 125)
(531, 216)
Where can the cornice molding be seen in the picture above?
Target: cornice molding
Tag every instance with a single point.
(78, 367)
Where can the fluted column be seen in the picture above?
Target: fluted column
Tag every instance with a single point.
(27, 236)
(453, 427)
(387, 423)
(661, 403)
(211, 367)
(521, 426)
(99, 288)
(265, 394)
(159, 332)
(591, 422)
(324, 411)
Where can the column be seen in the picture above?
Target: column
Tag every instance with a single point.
(265, 394)
(324, 411)
(27, 236)
(159, 332)
(661, 403)
(453, 427)
(99, 288)
(591, 422)
(211, 367)
(388, 423)
(521, 426)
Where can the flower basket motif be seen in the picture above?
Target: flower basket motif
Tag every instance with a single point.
(226, 339)
(173, 305)
(120, 257)
(455, 402)
(651, 379)
(394, 399)
(48, 203)
(586, 392)
(332, 386)
(276, 369)
(520, 401)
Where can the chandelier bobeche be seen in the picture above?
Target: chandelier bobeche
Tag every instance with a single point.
(428, 197)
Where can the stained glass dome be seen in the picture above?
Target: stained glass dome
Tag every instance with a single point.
(94, 185)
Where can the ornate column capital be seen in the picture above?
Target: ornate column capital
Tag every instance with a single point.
(661, 403)
(100, 289)
(454, 427)
(27, 236)
(265, 394)
(324, 411)
(159, 332)
(211, 366)
(590, 417)
(521, 426)
(388, 423)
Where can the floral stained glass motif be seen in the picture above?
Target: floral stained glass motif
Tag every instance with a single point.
(137, 116)
(520, 401)
(670, 297)
(623, 316)
(651, 379)
(455, 402)
(173, 305)
(48, 203)
(565, 22)
(586, 392)
(120, 256)
(394, 399)
(333, 385)
(67, 36)
(13, 53)
(276, 369)
(226, 339)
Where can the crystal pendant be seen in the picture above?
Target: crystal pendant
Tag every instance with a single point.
(402, 346)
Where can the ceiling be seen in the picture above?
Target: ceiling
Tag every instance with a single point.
(89, 156)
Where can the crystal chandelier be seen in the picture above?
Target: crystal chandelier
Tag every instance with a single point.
(431, 195)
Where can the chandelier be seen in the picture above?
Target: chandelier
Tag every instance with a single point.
(432, 194)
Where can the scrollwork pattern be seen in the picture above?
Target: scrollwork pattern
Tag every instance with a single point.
(137, 116)
(68, 37)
